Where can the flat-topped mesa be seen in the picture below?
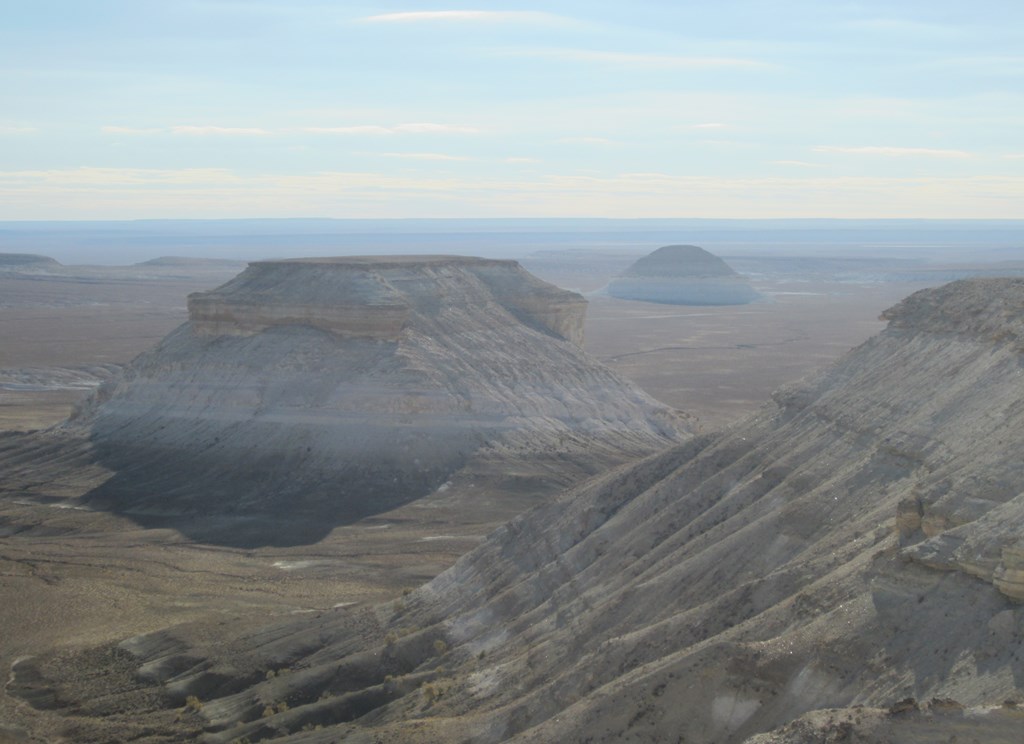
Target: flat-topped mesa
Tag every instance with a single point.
(682, 275)
(327, 389)
(375, 296)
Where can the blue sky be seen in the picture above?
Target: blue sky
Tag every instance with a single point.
(740, 108)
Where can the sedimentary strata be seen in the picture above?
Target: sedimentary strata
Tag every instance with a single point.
(329, 389)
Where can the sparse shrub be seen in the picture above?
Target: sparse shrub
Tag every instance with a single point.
(193, 704)
(440, 647)
(406, 592)
(268, 712)
(271, 674)
(391, 638)
(282, 707)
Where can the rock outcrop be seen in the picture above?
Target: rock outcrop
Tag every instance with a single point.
(329, 389)
(682, 275)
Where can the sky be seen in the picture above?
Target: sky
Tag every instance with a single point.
(128, 109)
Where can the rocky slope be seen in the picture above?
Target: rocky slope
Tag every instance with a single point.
(682, 275)
(844, 566)
(319, 391)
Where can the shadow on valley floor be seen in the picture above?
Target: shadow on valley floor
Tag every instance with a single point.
(278, 501)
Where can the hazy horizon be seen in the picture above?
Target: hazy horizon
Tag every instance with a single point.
(126, 242)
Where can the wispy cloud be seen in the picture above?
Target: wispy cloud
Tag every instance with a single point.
(190, 130)
(641, 59)
(894, 152)
(109, 193)
(903, 26)
(996, 65)
(204, 131)
(587, 141)
(133, 131)
(422, 156)
(795, 163)
(709, 125)
(378, 129)
(522, 160)
(486, 16)
(17, 130)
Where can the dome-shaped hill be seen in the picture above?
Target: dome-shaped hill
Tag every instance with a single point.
(680, 260)
(682, 275)
(26, 261)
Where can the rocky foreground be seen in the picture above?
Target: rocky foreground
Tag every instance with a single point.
(845, 566)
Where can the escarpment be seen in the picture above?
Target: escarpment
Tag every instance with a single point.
(850, 550)
(374, 296)
(333, 388)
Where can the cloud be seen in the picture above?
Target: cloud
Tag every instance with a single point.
(411, 128)
(486, 16)
(709, 125)
(894, 152)
(16, 130)
(641, 60)
(203, 131)
(903, 27)
(522, 160)
(422, 156)
(587, 140)
(118, 193)
(132, 130)
(795, 163)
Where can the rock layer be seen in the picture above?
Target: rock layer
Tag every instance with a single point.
(333, 388)
(682, 275)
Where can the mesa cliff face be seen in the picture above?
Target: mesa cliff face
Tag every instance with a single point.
(682, 275)
(340, 387)
(374, 296)
(857, 543)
